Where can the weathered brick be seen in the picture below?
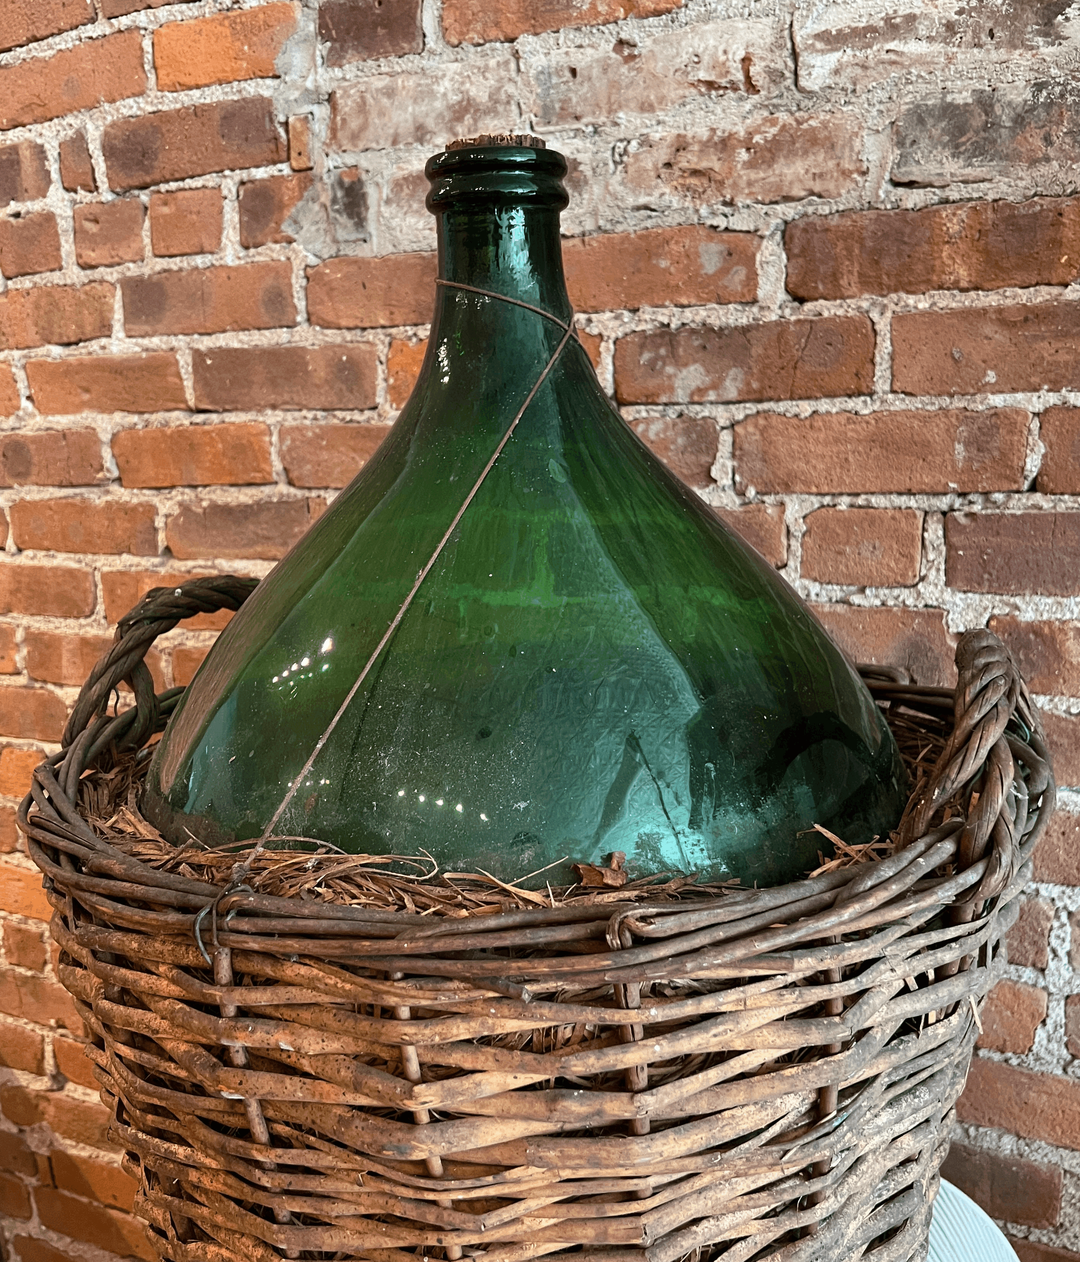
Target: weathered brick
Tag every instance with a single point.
(59, 590)
(31, 714)
(1029, 937)
(571, 86)
(24, 947)
(780, 158)
(998, 349)
(370, 293)
(1011, 1015)
(842, 452)
(686, 444)
(424, 107)
(16, 767)
(477, 22)
(20, 888)
(1062, 733)
(203, 455)
(29, 245)
(21, 1048)
(266, 204)
(94, 1224)
(780, 359)
(301, 152)
(970, 245)
(76, 166)
(24, 172)
(78, 78)
(1013, 553)
(265, 530)
(660, 266)
(60, 314)
(1072, 1024)
(186, 660)
(1057, 856)
(14, 1198)
(98, 1181)
(209, 300)
(195, 140)
(914, 639)
(1059, 431)
(1031, 1105)
(16, 1154)
(866, 547)
(107, 383)
(285, 377)
(25, 21)
(762, 527)
(8, 651)
(79, 525)
(10, 837)
(107, 233)
(73, 1062)
(991, 134)
(34, 998)
(356, 30)
(54, 657)
(1005, 1186)
(222, 48)
(123, 589)
(118, 8)
(328, 455)
(71, 1118)
(185, 222)
(1033, 1251)
(1048, 653)
(51, 458)
(403, 362)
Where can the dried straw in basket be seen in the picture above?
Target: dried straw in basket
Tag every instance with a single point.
(317, 1056)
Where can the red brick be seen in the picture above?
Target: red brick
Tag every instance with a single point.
(59, 590)
(1048, 653)
(914, 639)
(1059, 472)
(51, 458)
(1033, 1251)
(222, 48)
(686, 444)
(24, 172)
(1021, 347)
(82, 1220)
(265, 530)
(204, 455)
(209, 300)
(780, 158)
(1072, 1024)
(21, 1048)
(14, 1198)
(76, 166)
(1011, 1015)
(762, 527)
(906, 451)
(1029, 937)
(98, 1181)
(195, 140)
(20, 888)
(781, 359)
(1014, 553)
(79, 78)
(107, 233)
(867, 547)
(661, 266)
(26, 21)
(355, 30)
(8, 650)
(29, 245)
(968, 245)
(477, 21)
(266, 204)
(1063, 739)
(123, 589)
(107, 383)
(1006, 1187)
(33, 714)
(301, 157)
(9, 393)
(369, 293)
(10, 837)
(46, 314)
(118, 8)
(185, 222)
(1057, 856)
(185, 662)
(77, 525)
(33, 998)
(328, 455)
(403, 363)
(1031, 1105)
(73, 1062)
(16, 1154)
(58, 658)
(74, 1119)
(24, 947)
(285, 377)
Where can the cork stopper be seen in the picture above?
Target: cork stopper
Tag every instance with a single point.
(499, 138)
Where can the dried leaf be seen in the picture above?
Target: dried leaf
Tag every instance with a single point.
(608, 876)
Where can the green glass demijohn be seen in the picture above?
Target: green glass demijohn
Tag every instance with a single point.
(594, 662)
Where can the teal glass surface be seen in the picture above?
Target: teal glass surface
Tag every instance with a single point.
(595, 663)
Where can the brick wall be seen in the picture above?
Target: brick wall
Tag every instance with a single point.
(825, 263)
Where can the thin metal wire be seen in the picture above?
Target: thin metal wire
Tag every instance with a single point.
(568, 330)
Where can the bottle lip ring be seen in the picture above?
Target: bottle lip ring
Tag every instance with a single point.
(499, 173)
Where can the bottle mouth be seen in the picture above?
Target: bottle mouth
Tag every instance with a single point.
(490, 172)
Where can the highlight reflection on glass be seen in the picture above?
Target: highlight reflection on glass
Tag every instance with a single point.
(595, 662)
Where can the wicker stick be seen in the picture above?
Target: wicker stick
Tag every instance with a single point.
(641, 1075)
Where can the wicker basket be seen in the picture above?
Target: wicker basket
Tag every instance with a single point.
(617, 1076)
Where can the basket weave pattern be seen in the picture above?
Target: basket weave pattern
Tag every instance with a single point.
(759, 1073)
